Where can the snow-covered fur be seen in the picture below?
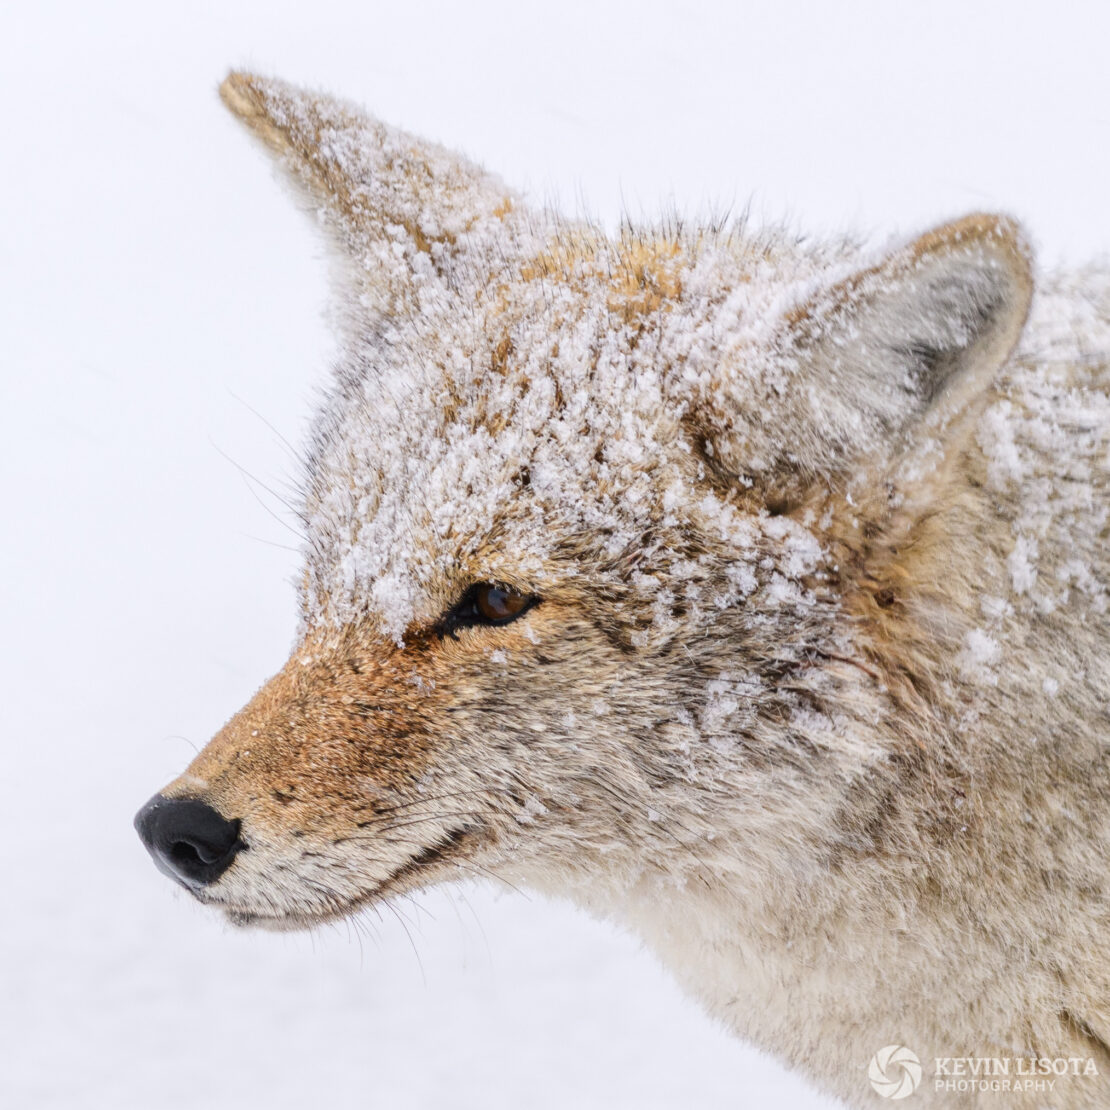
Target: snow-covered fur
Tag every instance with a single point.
(814, 691)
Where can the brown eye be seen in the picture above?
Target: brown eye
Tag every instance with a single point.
(486, 604)
(497, 605)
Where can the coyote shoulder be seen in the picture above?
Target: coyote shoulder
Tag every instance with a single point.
(748, 590)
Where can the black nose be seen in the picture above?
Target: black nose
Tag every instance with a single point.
(188, 840)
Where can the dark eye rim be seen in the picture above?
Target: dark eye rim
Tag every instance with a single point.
(466, 614)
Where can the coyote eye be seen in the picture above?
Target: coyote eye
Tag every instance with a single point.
(485, 603)
(497, 605)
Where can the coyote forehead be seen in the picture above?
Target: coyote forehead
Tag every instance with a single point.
(459, 446)
(749, 590)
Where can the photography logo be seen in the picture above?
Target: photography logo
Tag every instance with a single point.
(894, 1071)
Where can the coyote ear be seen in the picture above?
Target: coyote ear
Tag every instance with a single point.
(852, 370)
(399, 207)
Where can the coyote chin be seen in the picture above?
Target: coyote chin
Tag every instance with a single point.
(746, 590)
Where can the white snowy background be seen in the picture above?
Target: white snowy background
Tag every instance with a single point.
(158, 289)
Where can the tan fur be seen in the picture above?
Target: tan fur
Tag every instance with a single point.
(815, 696)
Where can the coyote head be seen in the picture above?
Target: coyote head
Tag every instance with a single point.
(602, 538)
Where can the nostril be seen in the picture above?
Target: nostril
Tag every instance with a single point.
(185, 852)
(188, 839)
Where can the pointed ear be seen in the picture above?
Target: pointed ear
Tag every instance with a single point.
(854, 369)
(400, 208)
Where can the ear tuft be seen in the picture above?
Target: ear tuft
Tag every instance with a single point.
(241, 93)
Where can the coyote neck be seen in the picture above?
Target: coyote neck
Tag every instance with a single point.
(823, 982)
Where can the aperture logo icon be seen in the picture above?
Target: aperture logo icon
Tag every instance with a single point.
(894, 1071)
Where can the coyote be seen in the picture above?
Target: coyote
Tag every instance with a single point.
(747, 590)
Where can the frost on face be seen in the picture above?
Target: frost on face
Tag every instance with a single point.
(520, 415)
(502, 435)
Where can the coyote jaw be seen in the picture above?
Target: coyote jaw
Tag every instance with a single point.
(440, 860)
